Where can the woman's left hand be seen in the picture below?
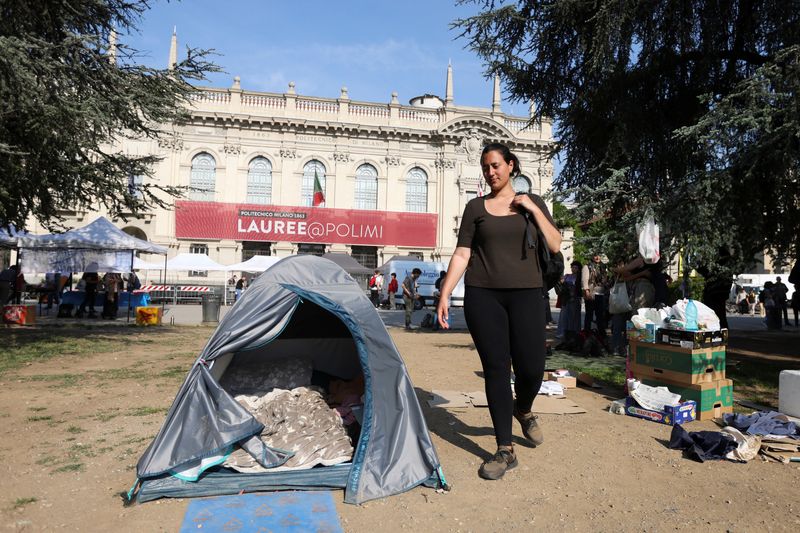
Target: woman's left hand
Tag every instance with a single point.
(523, 202)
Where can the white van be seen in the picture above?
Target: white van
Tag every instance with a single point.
(402, 266)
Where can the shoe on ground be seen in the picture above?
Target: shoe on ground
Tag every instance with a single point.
(530, 426)
(497, 466)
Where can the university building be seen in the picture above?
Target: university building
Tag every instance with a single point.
(395, 177)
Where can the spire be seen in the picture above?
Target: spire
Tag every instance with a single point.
(173, 49)
(496, 95)
(448, 90)
(112, 47)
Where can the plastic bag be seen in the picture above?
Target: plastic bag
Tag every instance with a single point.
(648, 241)
(618, 302)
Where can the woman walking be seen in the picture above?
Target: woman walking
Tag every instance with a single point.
(503, 299)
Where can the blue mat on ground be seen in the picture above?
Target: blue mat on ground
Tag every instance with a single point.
(266, 511)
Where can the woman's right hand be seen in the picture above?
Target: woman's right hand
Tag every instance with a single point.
(442, 313)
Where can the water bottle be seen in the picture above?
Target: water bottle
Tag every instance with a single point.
(691, 316)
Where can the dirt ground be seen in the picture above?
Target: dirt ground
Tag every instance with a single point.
(75, 426)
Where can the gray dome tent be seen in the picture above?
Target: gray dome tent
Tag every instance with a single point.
(310, 308)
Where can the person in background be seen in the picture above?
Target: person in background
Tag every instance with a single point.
(133, 282)
(91, 281)
(410, 294)
(239, 288)
(569, 320)
(779, 292)
(375, 288)
(392, 291)
(796, 304)
(503, 299)
(8, 279)
(112, 282)
(232, 281)
(594, 284)
(752, 300)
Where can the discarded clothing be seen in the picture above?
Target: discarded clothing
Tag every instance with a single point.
(701, 445)
(747, 446)
(763, 423)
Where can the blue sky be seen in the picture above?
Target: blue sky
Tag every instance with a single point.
(372, 47)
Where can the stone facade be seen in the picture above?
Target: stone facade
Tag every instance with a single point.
(235, 126)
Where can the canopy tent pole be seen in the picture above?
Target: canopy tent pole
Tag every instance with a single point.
(130, 294)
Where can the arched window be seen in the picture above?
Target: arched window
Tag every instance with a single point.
(307, 191)
(259, 181)
(521, 184)
(204, 174)
(416, 191)
(366, 196)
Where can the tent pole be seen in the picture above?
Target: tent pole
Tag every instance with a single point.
(130, 294)
(163, 300)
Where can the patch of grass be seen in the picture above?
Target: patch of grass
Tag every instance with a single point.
(72, 467)
(75, 429)
(612, 376)
(24, 348)
(80, 450)
(47, 460)
(22, 502)
(145, 411)
(173, 372)
(755, 381)
(56, 380)
(39, 418)
(105, 416)
(37, 409)
(120, 374)
(135, 440)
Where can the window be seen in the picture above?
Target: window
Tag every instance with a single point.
(135, 186)
(366, 255)
(418, 255)
(253, 248)
(307, 191)
(310, 249)
(198, 248)
(202, 180)
(259, 181)
(416, 191)
(521, 184)
(366, 196)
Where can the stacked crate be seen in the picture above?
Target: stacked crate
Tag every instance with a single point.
(689, 363)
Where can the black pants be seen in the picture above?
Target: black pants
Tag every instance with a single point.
(88, 299)
(596, 308)
(507, 326)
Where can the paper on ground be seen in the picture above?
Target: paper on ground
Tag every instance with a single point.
(551, 388)
(448, 398)
(554, 405)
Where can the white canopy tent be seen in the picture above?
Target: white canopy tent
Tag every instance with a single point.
(257, 263)
(98, 246)
(139, 264)
(193, 262)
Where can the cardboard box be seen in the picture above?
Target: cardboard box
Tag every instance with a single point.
(568, 382)
(671, 415)
(23, 315)
(712, 399)
(148, 316)
(677, 365)
(694, 340)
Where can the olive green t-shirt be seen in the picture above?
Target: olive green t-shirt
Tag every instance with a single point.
(500, 257)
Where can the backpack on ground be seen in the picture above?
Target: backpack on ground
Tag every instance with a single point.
(427, 321)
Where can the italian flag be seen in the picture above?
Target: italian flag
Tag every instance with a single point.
(319, 197)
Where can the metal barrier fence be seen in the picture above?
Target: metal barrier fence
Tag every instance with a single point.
(177, 294)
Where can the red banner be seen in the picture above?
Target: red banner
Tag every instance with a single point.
(247, 222)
